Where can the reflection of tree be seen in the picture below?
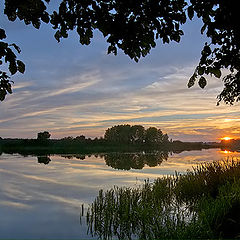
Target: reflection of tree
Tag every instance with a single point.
(81, 157)
(135, 160)
(77, 156)
(152, 160)
(44, 159)
(125, 161)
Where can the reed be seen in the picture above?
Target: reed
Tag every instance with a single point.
(203, 203)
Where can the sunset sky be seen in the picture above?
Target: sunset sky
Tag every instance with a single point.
(69, 89)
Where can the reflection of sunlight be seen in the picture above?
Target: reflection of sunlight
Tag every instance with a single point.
(226, 151)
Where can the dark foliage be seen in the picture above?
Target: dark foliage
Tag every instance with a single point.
(134, 27)
(43, 135)
(202, 204)
(136, 135)
(14, 65)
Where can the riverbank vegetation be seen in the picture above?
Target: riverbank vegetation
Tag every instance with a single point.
(120, 138)
(202, 204)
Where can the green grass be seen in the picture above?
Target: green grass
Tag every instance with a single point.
(202, 204)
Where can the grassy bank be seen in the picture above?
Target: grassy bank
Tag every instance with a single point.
(202, 204)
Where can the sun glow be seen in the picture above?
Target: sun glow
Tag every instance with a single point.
(226, 138)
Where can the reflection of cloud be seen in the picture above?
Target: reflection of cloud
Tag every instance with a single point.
(34, 197)
(69, 201)
(12, 192)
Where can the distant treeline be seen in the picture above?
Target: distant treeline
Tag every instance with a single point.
(117, 138)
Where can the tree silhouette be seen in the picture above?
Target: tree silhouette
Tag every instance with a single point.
(81, 138)
(134, 27)
(136, 134)
(43, 135)
(154, 136)
(119, 134)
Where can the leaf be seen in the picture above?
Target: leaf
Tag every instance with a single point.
(21, 66)
(177, 26)
(217, 72)
(57, 35)
(36, 24)
(45, 17)
(12, 68)
(203, 28)
(191, 81)
(202, 82)
(9, 88)
(2, 34)
(16, 47)
(190, 12)
(176, 38)
(63, 33)
(2, 94)
(206, 50)
(201, 70)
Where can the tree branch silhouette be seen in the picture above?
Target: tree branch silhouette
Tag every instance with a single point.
(134, 27)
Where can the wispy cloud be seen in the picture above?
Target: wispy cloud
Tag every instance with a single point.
(72, 90)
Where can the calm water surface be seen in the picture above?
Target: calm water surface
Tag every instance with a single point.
(43, 201)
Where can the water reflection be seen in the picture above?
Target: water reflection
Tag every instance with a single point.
(135, 160)
(226, 152)
(77, 156)
(121, 161)
(140, 160)
(229, 150)
(36, 196)
(44, 159)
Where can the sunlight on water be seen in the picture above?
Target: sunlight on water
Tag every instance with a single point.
(40, 197)
(226, 152)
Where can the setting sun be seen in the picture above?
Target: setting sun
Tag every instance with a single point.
(226, 138)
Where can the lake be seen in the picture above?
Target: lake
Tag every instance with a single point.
(41, 197)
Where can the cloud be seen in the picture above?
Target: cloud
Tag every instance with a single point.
(165, 103)
(70, 89)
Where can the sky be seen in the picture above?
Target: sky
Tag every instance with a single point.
(69, 89)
